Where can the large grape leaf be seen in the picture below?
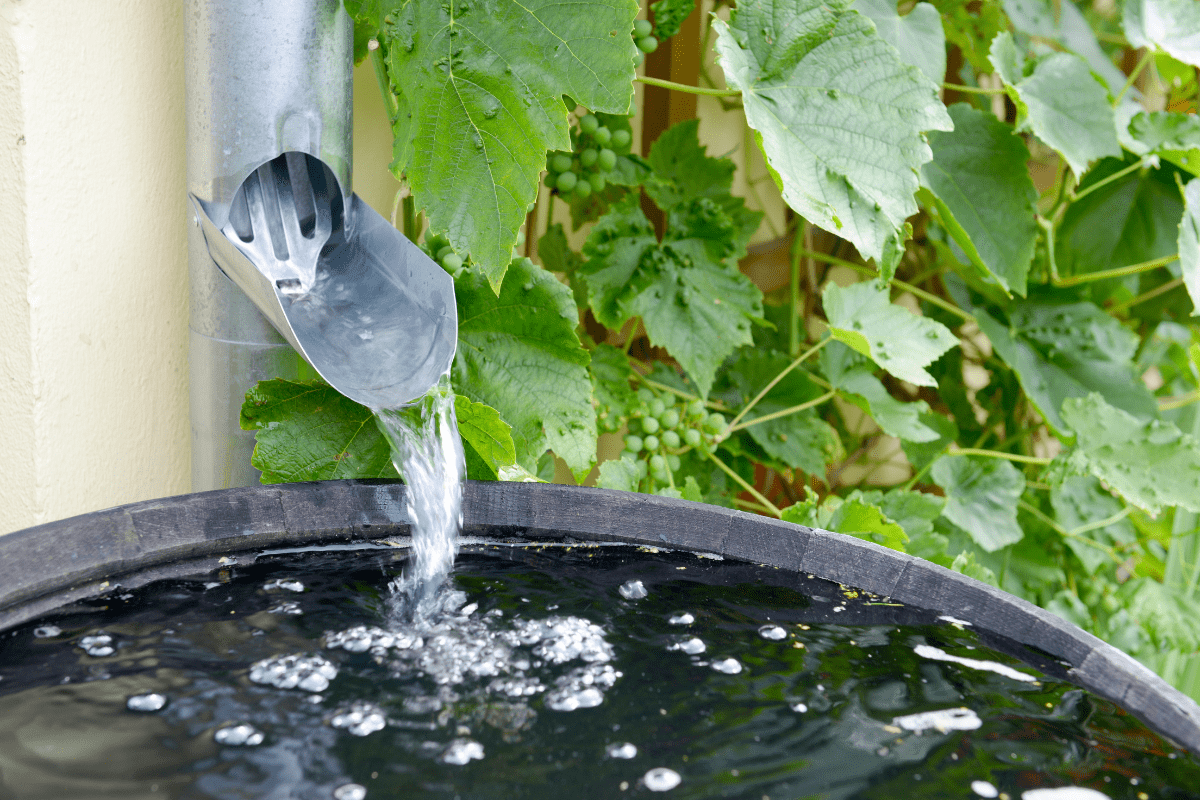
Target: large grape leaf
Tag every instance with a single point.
(1173, 136)
(519, 353)
(1061, 103)
(487, 439)
(1080, 501)
(308, 431)
(984, 194)
(917, 36)
(981, 498)
(1065, 23)
(850, 373)
(839, 116)
(1131, 220)
(1172, 26)
(480, 90)
(669, 15)
(1063, 350)
(896, 339)
(1189, 242)
(1151, 463)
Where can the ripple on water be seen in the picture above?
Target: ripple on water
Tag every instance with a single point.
(241, 734)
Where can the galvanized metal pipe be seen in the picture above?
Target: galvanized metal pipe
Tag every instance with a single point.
(263, 77)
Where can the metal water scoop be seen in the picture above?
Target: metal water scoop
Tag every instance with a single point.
(366, 307)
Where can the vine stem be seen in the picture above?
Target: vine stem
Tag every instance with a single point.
(1141, 65)
(389, 101)
(973, 451)
(767, 504)
(908, 287)
(683, 87)
(1150, 295)
(1121, 173)
(800, 359)
(1171, 403)
(1061, 531)
(794, 320)
(816, 401)
(1119, 272)
(957, 87)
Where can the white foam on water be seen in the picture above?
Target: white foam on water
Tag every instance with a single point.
(1064, 793)
(682, 618)
(633, 590)
(772, 632)
(297, 671)
(582, 687)
(661, 779)
(461, 751)
(624, 750)
(283, 584)
(151, 701)
(933, 653)
(984, 789)
(949, 719)
(97, 645)
(47, 631)
(692, 646)
(730, 666)
(240, 734)
(287, 607)
(360, 718)
(350, 791)
(799, 708)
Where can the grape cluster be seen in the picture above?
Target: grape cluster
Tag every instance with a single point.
(440, 250)
(584, 170)
(662, 428)
(643, 37)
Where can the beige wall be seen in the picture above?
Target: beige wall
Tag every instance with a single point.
(93, 273)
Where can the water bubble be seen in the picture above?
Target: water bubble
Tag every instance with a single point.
(350, 791)
(359, 718)
(661, 779)
(1063, 793)
(461, 751)
(772, 632)
(692, 646)
(98, 645)
(633, 590)
(241, 734)
(950, 719)
(310, 673)
(730, 666)
(622, 750)
(682, 618)
(282, 583)
(799, 708)
(288, 607)
(362, 638)
(582, 687)
(47, 631)
(146, 702)
(984, 789)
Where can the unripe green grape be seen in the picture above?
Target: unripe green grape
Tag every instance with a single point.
(671, 439)
(650, 424)
(452, 262)
(444, 251)
(645, 395)
(633, 443)
(669, 418)
(621, 138)
(607, 159)
(520, 239)
(588, 157)
(638, 58)
(673, 462)
(566, 181)
(715, 423)
(560, 163)
(658, 463)
(597, 181)
(651, 443)
(647, 44)
(696, 409)
(602, 135)
(642, 28)
(642, 469)
(692, 437)
(657, 407)
(588, 124)
(583, 189)
(550, 179)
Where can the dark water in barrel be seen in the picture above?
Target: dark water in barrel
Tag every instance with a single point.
(581, 672)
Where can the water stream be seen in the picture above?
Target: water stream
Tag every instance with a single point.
(428, 454)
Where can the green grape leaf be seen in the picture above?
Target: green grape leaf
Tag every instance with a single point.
(1172, 136)
(556, 255)
(895, 418)
(1080, 501)
(1063, 350)
(984, 194)
(611, 374)
(1061, 103)
(307, 431)
(519, 353)
(669, 15)
(681, 169)
(1133, 219)
(920, 454)
(487, 439)
(698, 307)
(839, 116)
(915, 512)
(1066, 24)
(1189, 242)
(896, 339)
(620, 474)
(1172, 26)
(480, 93)
(981, 498)
(856, 517)
(1151, 463)
(917, 36)
(972, 26)
(807, 511)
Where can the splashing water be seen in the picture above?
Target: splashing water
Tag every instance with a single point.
(428, 454)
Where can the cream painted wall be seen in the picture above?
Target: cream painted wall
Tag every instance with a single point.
(93, 267)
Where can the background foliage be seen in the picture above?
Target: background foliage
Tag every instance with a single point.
(993, 299)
